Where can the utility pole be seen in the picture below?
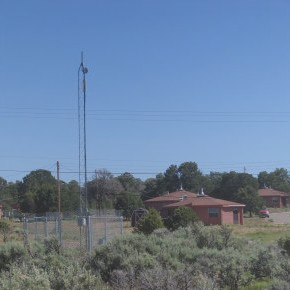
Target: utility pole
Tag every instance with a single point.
(84, 220)
(82, 71)
(59, 213)
(58, 188)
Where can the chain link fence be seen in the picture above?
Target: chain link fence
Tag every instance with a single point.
(73, 230)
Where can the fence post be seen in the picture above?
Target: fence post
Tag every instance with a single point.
(89, 234)
(106, 229)
(25, 227)
(25, 231)
(45, 228)
(56, 228)
(59, 230)
(35, 228)
(121, 225)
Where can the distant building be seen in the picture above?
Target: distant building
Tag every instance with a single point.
(274, 198)
(211, 211)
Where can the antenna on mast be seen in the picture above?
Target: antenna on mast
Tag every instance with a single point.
(82, 71)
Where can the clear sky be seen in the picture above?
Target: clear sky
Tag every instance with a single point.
(169, 81)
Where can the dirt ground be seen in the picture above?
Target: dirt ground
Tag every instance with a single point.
(280, 218)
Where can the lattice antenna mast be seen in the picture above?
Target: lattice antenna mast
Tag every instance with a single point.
(82, 71)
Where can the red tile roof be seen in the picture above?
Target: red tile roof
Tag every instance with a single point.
(205, 201)
(173, 196)
(271, 192)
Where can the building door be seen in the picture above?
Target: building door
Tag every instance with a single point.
(236, 216)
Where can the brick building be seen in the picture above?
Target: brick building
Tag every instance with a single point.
(274, 198)
(211, 211)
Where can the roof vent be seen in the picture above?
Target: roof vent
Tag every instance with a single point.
(181, 188)
(201, 193)
(183, 197)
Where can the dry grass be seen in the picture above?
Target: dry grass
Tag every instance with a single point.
(263, 230)
(255, 228)
(101, 228)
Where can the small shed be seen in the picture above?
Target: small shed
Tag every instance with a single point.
(137, 215)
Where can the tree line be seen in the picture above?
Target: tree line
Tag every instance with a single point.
(37, 192)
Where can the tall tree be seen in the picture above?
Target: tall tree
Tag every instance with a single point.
(8, 193)
(190, 176)
(212, 182)
(279, 179)
(249, 196)
(154, 187)
(231, 183)
(171, 178)
(38, 192)
(130, 183)
(150, 189)
(104, 187)
(69, 196)
(127, 202)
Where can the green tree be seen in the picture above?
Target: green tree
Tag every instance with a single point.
(249, 196)
(104, 187)
(3, 183)
(231, 183)
(150, 222)
(154, 187)
(130, 183)
(8, 193)
(190, 176)
(279, 179)
(171, 178)
(211, 182)
(69, 195)
(150, 189)
(38, 192)
(181, 217)
(127, 202)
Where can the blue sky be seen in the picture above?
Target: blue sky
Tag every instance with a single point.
(168, 82)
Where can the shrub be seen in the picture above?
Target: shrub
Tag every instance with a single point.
(52, 246)
(284, 243)
(11, 253)
(149, 222)
(5, 229)
(181, 217)
(25, 278)
(262, 264)
(279, 285)
(72, 277)
(133, 251)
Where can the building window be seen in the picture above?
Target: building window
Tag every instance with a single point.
(275, 199)
(213, 212)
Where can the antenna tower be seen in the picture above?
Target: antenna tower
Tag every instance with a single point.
(82, 71)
